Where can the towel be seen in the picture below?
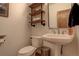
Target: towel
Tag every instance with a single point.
(74, 16)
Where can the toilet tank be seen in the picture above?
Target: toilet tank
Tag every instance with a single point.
(36, 41)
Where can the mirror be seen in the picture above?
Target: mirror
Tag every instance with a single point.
(58, 14)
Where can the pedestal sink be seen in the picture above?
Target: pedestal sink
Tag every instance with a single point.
(58, 39)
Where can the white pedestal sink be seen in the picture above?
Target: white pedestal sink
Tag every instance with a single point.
(58, 39)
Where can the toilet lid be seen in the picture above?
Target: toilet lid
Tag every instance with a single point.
(27, 49)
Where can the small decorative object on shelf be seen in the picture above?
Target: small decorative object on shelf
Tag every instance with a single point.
(37, 13)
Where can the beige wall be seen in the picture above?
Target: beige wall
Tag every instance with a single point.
(16, 29)
(69, 49)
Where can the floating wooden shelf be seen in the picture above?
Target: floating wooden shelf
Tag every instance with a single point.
(35, 13)
(34, 5)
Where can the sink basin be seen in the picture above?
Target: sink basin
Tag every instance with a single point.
(59, 39)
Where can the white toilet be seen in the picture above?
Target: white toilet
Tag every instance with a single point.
(29, 50)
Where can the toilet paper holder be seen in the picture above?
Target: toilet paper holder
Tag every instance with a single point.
(2, 40)
(2, 36)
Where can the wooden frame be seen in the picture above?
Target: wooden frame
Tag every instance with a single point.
(4, 9)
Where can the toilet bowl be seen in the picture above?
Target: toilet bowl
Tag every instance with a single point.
(26, 51)
(29, 50)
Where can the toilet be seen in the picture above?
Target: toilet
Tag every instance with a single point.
(29, 50)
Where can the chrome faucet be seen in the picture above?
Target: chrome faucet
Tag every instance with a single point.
(64, 32)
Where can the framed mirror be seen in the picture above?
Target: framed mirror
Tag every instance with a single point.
(58, 14)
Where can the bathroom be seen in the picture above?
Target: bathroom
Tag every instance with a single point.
(18, 27)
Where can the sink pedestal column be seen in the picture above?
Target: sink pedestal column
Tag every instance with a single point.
(58, 50)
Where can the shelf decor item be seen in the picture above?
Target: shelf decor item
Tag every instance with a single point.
(4, 9)
(37, 13)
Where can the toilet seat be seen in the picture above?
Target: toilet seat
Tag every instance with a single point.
(28, 50)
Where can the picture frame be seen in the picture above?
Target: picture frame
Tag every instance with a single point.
(4, 9)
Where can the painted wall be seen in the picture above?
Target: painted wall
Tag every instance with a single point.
(69, 49)
(16, 29)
